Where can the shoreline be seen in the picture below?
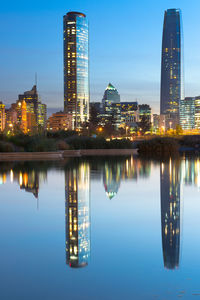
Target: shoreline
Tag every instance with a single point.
(60, 155)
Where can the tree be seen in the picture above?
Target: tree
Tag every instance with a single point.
(144, 124)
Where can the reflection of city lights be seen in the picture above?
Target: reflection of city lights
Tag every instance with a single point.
(11, 175)
(20, 179)
(4, 178)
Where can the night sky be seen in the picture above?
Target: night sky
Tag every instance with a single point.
(125, 48)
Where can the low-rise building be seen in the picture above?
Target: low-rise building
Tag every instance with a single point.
(59, 121)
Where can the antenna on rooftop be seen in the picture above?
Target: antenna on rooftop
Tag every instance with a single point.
(36, 78)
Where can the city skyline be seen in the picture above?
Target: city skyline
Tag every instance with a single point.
(135, 79)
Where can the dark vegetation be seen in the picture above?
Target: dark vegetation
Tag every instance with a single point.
(61, 140)
(159, 147)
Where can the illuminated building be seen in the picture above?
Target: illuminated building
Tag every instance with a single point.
(36, 111)
(21, 115)
(187, 113)
(60, 121)
(41, 115)
(11, 117)
(129, 114)
(145, 110)
(76, 67)
(197, 112)
(77, 214)
(111, 104)
(172, 85)
(2, 117)
(111, 178)
(170, 212)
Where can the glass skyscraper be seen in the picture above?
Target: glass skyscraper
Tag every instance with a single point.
(76, 67)
(111, 104)
(172, 79)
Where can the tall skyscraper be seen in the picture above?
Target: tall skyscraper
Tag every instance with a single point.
(76, 67)
(36, 111)
(2, 116)
(172, 79)
(111, 104)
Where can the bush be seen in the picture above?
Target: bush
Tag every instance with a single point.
(42, 145)
(62, 145)
(6, 147)
(159, 147)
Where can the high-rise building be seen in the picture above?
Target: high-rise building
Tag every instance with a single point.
(77, 213)
(111, 104)
(2, 117)
(129, 114)
(197, 112)
(187, 113)
(172, 79)
(170, 183)
(36, 111)
(21, 109)
(76, 67)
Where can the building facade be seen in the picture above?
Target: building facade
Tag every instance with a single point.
(197, 112)
(111, 104)
(76, 67)
(187, 113)
(59, 121)
(172, 79)
(2, 117)
(36, 111)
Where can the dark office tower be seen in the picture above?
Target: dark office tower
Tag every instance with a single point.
(77, 215)
(172, 79)
(111, 104)
(76, 67)
(170, 212)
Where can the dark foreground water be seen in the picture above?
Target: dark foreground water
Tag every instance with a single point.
(103, 229)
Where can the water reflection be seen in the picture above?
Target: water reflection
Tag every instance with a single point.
(77, 215)
(28, 179)
(170, 212)
(111, 173)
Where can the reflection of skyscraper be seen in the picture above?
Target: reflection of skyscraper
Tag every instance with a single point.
(111, 178)
(170, 212)
(77, 213)
(172, 88)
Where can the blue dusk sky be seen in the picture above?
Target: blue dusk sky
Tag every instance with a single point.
(125, 48)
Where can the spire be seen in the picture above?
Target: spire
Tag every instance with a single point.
(110, 87)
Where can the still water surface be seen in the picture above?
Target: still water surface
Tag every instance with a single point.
(120, 228)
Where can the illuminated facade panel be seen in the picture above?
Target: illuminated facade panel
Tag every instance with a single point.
(197, 112)
(187, 113)
(172, 79)
(76, 67)
(2, 116)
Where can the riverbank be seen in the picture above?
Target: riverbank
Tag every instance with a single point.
(59, 155)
